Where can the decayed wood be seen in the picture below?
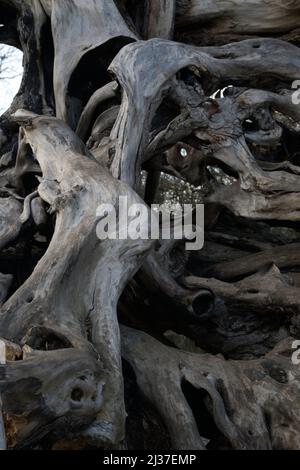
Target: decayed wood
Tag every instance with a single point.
(62, 389)
(283, 257)
(215, 20)
(159, 19)
(93, 24)
(243, 396)
(43, 313)
(143, 58)
(10, 226)
(160, 272)
(12, 351)
(28, 35)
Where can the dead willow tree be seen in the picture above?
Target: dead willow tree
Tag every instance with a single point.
(99, 333)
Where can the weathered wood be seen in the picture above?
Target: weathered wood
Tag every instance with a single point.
(2, 430)
(142, 58)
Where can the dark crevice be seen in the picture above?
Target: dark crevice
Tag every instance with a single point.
(200, 403)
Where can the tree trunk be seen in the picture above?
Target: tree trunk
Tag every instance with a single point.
(138, 343)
